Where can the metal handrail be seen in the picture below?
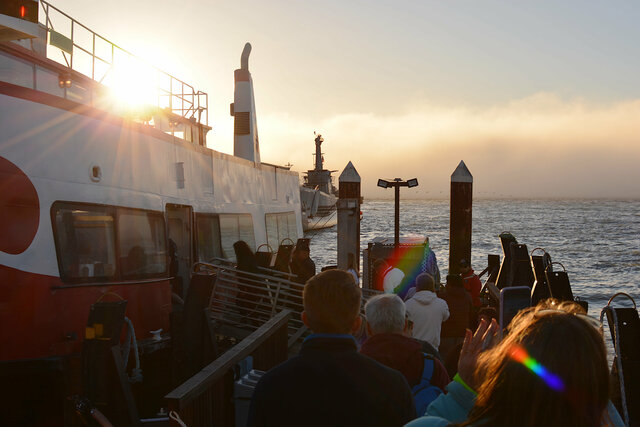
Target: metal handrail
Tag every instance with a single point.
(189, 101)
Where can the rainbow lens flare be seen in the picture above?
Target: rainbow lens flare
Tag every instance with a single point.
(409, 259)
(520, 355)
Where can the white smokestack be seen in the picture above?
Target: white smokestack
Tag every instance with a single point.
(245, 127)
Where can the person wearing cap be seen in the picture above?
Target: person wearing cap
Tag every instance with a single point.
(427, 311)
(301, 264)
(471, 282)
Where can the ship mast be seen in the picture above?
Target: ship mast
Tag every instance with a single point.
(319, 140)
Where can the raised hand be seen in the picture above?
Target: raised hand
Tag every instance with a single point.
(486, 336)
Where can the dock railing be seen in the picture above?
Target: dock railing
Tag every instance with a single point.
(206, 399)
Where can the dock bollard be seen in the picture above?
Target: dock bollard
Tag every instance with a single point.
(460, 217)
(348, 207)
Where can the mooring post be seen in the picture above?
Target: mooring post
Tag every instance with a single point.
(348, 207)
(396, 229)
(460, 217)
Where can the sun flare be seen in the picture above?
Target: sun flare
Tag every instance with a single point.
(133, 85)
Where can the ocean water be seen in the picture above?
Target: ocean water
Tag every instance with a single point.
(597, 241)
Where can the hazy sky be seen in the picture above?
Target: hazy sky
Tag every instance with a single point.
(540, 98)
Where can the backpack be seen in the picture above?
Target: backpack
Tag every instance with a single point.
(424, 392)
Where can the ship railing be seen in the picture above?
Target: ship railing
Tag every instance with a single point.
(85, 51)
(242, 301)
(207, 398)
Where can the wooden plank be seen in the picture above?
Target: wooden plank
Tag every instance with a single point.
(200, 382)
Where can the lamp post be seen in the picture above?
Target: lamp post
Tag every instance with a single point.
(396, 184)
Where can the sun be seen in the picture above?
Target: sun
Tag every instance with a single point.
(133, 85)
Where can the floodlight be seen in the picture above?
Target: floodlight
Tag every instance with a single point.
(412, 182)
(382, 183)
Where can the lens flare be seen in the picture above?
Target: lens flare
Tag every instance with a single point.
(520, 355)
(133, 85)
(409, 259)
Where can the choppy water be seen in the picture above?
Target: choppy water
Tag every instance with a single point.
(598, 241)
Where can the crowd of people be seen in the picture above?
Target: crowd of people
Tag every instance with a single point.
(415, 362)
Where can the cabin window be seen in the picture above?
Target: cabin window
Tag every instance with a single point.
(141, 242)
(103, 243)
(208, 234)
(16, 71)
(234, 228)
(271, 221)
(281, 226)
(85, 241)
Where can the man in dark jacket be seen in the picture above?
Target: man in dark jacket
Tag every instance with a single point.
(329, 383)
(460, 314)
(301, 263)
(388, 343)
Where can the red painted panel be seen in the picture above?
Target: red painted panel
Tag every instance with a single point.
(19, 209)
(38, 321)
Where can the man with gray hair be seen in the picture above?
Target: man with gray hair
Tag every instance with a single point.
(388, 343)
(427, 311)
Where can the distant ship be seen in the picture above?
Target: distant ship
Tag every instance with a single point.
(318, 194)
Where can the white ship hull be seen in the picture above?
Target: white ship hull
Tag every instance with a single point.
(318, 209)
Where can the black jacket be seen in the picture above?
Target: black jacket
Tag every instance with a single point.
(330, 384)
(461, 312)
(304, 270)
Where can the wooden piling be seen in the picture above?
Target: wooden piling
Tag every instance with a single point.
(348, 207)
(460, 217)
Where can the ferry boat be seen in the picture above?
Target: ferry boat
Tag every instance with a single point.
(318, 194)
(101, 202)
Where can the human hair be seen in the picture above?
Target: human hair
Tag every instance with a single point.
(385, 314)
(331, 301)
(572, 384)
(244, 256)
(425, 282)
(454, 280)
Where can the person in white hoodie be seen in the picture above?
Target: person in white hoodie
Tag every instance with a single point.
(427, 311)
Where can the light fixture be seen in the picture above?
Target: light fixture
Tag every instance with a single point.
(382, 183)
(64, 80)
(396, 184)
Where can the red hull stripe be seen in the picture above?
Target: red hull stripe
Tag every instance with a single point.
(39, 321)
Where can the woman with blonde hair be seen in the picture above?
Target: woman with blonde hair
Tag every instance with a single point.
(549, 370)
